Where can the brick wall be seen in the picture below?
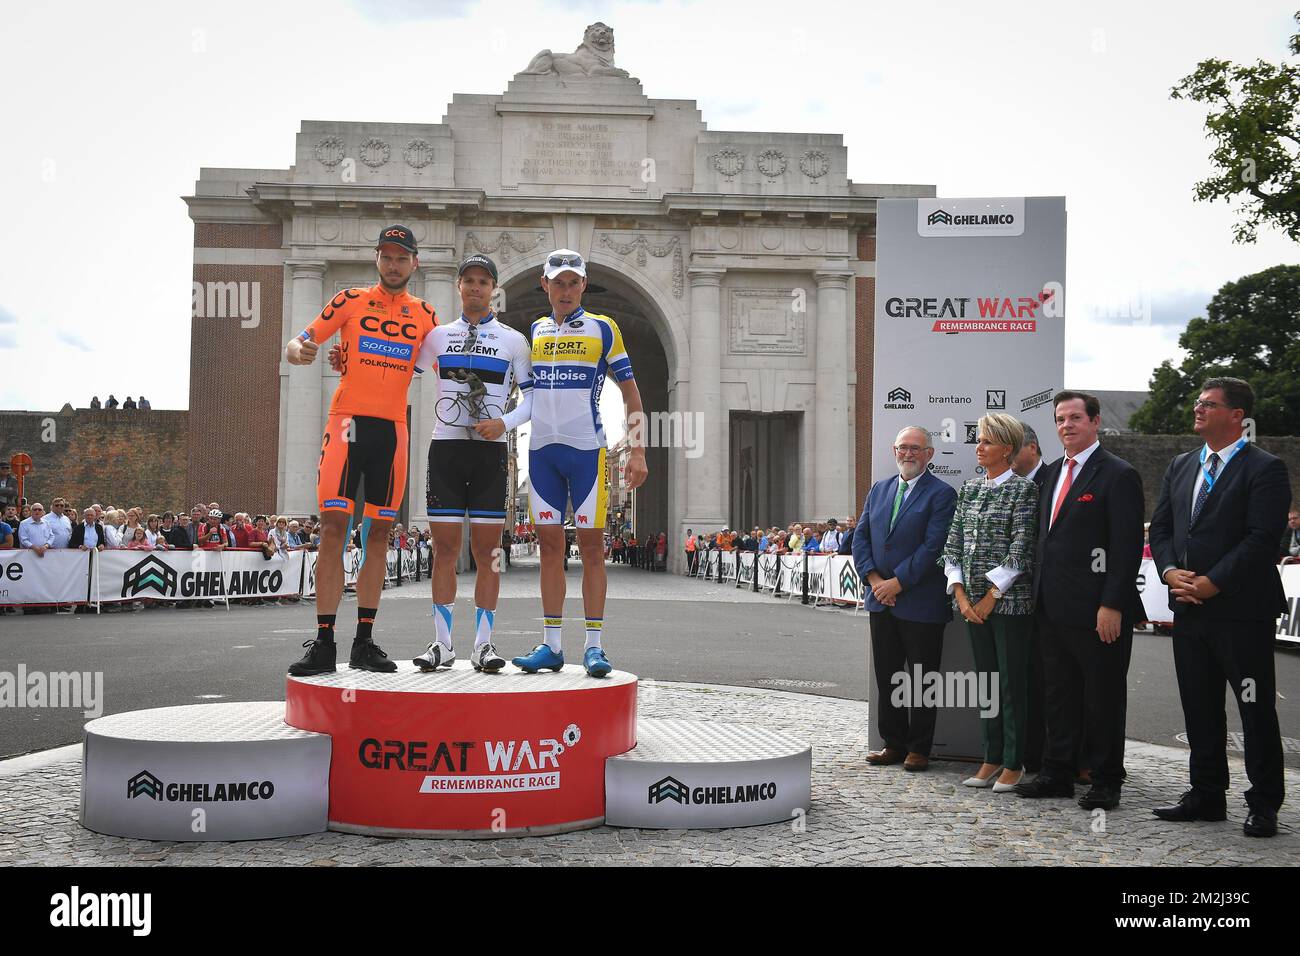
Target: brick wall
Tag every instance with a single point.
(237, 235)
(866, 246)
(235, 379)
(116, 457)
(1151, 455)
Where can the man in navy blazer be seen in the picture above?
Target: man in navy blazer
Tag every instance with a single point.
(1214, 538)
(896, 549)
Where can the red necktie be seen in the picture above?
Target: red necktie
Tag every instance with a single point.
(1065, 489)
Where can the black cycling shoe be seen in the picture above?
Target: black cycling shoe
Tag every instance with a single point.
(319, 659)
(368, 656)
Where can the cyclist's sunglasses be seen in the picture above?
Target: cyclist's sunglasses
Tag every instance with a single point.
(573, 262)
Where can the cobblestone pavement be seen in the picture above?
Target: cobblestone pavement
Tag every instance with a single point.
(860, 814)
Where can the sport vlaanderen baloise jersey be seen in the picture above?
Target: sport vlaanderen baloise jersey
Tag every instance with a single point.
(499, 357)
(380, 335)
(570, 360)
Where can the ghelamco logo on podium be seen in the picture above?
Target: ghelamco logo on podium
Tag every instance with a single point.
(145, 784)
(670, 788)
(961, 218)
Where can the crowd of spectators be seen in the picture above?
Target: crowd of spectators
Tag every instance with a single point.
(649, 553)
(205, 527)
(832, 536)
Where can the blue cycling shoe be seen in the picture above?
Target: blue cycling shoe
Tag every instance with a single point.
(541, 657)
(596, 662)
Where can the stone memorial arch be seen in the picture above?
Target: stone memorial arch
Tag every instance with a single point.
(739, 266)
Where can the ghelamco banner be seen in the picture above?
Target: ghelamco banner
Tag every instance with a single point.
(191, 575)
(969, 319)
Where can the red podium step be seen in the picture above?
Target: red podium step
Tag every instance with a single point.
(462, 753)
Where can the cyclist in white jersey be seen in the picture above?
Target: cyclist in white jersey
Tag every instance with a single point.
(573, 351)
(479, 363)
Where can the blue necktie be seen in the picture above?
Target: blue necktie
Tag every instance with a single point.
(1205, 488)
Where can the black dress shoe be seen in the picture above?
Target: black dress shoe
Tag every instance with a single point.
(1192, 807)
(1045, 786)
(1260, 823)
(1105, 798)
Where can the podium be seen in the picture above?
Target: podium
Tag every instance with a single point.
(455, 753)
(462, 753)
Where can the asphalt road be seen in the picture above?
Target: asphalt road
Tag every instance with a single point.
(657, 625)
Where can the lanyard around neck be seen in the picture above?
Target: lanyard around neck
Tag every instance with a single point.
(1210, 479)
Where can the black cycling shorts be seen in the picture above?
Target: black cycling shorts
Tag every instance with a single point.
(468, 476)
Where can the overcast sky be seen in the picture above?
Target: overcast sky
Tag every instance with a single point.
(111, 109)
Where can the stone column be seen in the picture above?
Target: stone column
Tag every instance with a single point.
(304, 422)
(438, 288)
(704, 494)
(833, 477)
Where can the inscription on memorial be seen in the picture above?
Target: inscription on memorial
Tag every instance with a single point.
(594, 151)
(764, 321)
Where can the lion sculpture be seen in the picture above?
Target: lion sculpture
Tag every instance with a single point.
(594, 57)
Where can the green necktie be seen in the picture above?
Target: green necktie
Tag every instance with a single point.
(898, 502)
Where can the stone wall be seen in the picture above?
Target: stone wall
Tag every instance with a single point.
(1151, 455)
(116, 457)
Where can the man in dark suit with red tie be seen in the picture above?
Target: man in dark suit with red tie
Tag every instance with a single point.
(1086, 598)
(1214, 538)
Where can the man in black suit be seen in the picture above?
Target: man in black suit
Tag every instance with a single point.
(88, 534)
(1214, 539)
(1029, 464)
(1086, 597)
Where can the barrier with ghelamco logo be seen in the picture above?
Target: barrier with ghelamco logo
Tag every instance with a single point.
(831, 577)
(76, 577)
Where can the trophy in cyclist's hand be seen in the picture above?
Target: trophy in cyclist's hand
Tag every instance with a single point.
(473, 398)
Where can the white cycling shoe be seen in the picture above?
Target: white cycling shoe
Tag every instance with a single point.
(485, 658)
(435, 656)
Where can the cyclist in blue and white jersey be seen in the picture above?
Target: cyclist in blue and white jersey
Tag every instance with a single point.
(573, 351)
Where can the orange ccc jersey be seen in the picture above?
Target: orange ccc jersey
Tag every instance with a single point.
(383, 339)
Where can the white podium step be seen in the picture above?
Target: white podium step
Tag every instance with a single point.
(231, 771)
(695, 774)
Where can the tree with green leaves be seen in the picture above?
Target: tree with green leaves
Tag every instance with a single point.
(1251, 330)
(1254, 121)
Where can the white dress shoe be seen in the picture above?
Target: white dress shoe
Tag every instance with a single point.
(982, 784)
(1006, 787)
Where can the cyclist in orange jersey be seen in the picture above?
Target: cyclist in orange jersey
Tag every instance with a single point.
(384, 334)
